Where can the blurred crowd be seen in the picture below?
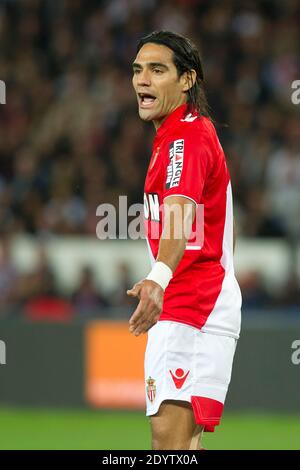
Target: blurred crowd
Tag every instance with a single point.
(70, 137)
(36, 294)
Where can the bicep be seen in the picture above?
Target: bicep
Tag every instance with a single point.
(179, 214)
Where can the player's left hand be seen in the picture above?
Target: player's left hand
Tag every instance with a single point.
(150, 305)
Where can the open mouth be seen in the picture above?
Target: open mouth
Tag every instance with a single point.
(146, 99)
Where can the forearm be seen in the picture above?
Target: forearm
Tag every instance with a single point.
(171, 251)
(176, 231)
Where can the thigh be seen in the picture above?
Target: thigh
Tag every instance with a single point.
(174, 427)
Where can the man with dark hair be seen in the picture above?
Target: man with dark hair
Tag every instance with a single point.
(190, 301)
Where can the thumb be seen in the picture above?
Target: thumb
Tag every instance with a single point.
(134, 292)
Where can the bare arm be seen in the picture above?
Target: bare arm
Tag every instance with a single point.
(179, 216)
(180, 213)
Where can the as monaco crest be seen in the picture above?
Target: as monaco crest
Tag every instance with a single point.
(151, 389)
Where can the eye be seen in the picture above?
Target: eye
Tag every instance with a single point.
(157, 71)
(136, 71)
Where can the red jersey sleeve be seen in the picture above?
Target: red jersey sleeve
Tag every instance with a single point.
(187, 167)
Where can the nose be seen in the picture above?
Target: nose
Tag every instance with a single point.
(144, 78)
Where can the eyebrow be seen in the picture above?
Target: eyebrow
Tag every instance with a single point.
(136, 65)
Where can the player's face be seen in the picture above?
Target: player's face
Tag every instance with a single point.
(155, 80)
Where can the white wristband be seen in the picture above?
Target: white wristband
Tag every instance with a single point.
(160, 273)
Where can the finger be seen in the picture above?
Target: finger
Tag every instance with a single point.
(149, 318)
(145, 324)
(152, 324)
(134, 292)
(142, 328)
(131, 293)
(137, 314)
(141, 313)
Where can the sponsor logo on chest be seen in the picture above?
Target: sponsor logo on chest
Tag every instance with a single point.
(151, 207)
(174, 170)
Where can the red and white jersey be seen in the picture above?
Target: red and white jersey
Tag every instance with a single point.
(188, 160)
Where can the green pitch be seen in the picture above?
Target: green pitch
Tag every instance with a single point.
(88, 429)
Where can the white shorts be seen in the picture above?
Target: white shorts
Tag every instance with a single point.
(183, 363)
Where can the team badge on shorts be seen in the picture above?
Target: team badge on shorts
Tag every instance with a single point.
(151, 389)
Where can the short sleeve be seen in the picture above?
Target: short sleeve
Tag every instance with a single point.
(187, 167)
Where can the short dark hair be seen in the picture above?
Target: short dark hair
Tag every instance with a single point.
(186, 57)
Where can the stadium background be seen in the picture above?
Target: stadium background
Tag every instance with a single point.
(70, 139)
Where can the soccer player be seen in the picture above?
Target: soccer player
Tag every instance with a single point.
(190, 302)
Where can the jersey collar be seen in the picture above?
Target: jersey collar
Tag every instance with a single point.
(171, 121)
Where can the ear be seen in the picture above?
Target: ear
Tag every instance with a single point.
(188, 79)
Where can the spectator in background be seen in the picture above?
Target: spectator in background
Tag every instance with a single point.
(255, 295)
(42, 300)
(124, 282)
(289, 296)
(283, 180)
(40, 282)
(8, 279)
(87, 299)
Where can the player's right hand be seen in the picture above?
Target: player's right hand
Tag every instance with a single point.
(149, 308)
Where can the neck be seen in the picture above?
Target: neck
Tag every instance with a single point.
(158, 122)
